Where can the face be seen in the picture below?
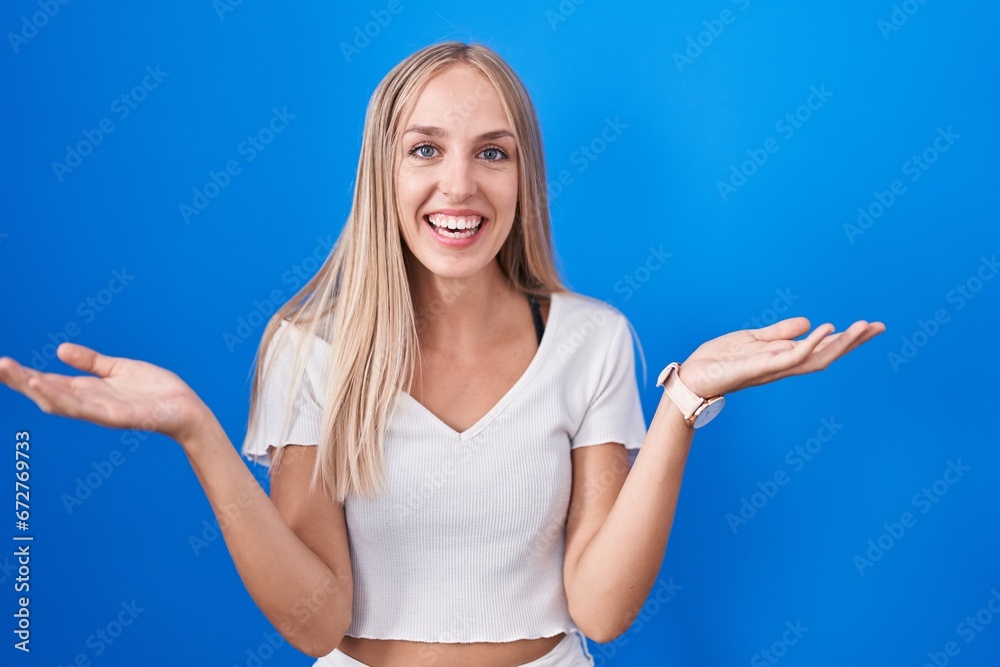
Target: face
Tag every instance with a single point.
(457, 182)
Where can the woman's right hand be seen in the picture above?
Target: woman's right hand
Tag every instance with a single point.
(125, 394)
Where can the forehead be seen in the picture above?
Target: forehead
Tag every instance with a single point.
(459, 100)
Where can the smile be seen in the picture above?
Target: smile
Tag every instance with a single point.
(455, 226)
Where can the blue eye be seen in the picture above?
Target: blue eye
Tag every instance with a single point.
(423, 150)
(494, 154)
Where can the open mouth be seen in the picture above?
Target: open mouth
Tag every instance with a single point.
(454, 226)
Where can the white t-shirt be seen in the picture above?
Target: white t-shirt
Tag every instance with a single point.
(466, 543)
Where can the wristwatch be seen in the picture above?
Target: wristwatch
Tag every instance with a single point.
(697, 411)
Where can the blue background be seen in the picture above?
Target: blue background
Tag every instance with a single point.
(692, 93)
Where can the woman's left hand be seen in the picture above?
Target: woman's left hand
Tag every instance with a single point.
(757, 356)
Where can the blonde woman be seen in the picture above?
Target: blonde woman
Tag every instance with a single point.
(448, 428)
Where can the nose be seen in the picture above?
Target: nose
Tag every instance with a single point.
(458, 181)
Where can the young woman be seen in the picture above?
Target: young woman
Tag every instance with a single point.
(447, 427)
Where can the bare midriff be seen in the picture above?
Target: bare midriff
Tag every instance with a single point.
(399, 653)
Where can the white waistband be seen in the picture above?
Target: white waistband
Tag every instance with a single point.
(570, 652)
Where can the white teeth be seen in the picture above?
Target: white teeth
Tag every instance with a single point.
(454, 222)
(455, 235)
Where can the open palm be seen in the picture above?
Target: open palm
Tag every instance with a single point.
(122, 393)
(757, 356)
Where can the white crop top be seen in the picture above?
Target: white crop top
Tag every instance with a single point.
(466, 543)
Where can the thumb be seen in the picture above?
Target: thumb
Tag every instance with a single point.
(787, 329)
(86, 359)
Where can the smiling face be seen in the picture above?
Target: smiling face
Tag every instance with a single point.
(457, 181)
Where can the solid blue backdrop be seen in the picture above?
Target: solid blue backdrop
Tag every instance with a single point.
(712, 166)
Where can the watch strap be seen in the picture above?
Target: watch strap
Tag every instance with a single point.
(686, 400)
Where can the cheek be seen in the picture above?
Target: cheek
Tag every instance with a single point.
(410, 192)
(503, 192)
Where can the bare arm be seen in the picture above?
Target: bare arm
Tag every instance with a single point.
(626, 518)
(291, 549)
(619, 520)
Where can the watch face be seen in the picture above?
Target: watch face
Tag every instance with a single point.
(709, 411)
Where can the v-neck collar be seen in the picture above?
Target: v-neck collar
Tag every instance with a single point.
(555, 308)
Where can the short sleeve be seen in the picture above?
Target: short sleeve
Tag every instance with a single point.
(615, 411)
(306, 412)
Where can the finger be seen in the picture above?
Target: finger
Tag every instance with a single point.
(829, 340)
(777, 345)
(14, 375)
(866, 332)
(787, 329)
(51, 392)
(856, 334)
(87, 359)
(778, 364)
(54, 395)
(873, 329)
(837, 347)
(17, 376)
(802, 350)
(30, 385)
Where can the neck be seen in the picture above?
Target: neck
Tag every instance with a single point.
(460, 313)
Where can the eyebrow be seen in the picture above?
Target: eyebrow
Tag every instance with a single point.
(432, 131)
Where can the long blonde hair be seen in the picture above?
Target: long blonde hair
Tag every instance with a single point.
(359, 300)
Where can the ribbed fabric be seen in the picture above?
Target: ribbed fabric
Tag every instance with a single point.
(466, 543)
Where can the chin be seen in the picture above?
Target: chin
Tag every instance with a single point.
(454, 270)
